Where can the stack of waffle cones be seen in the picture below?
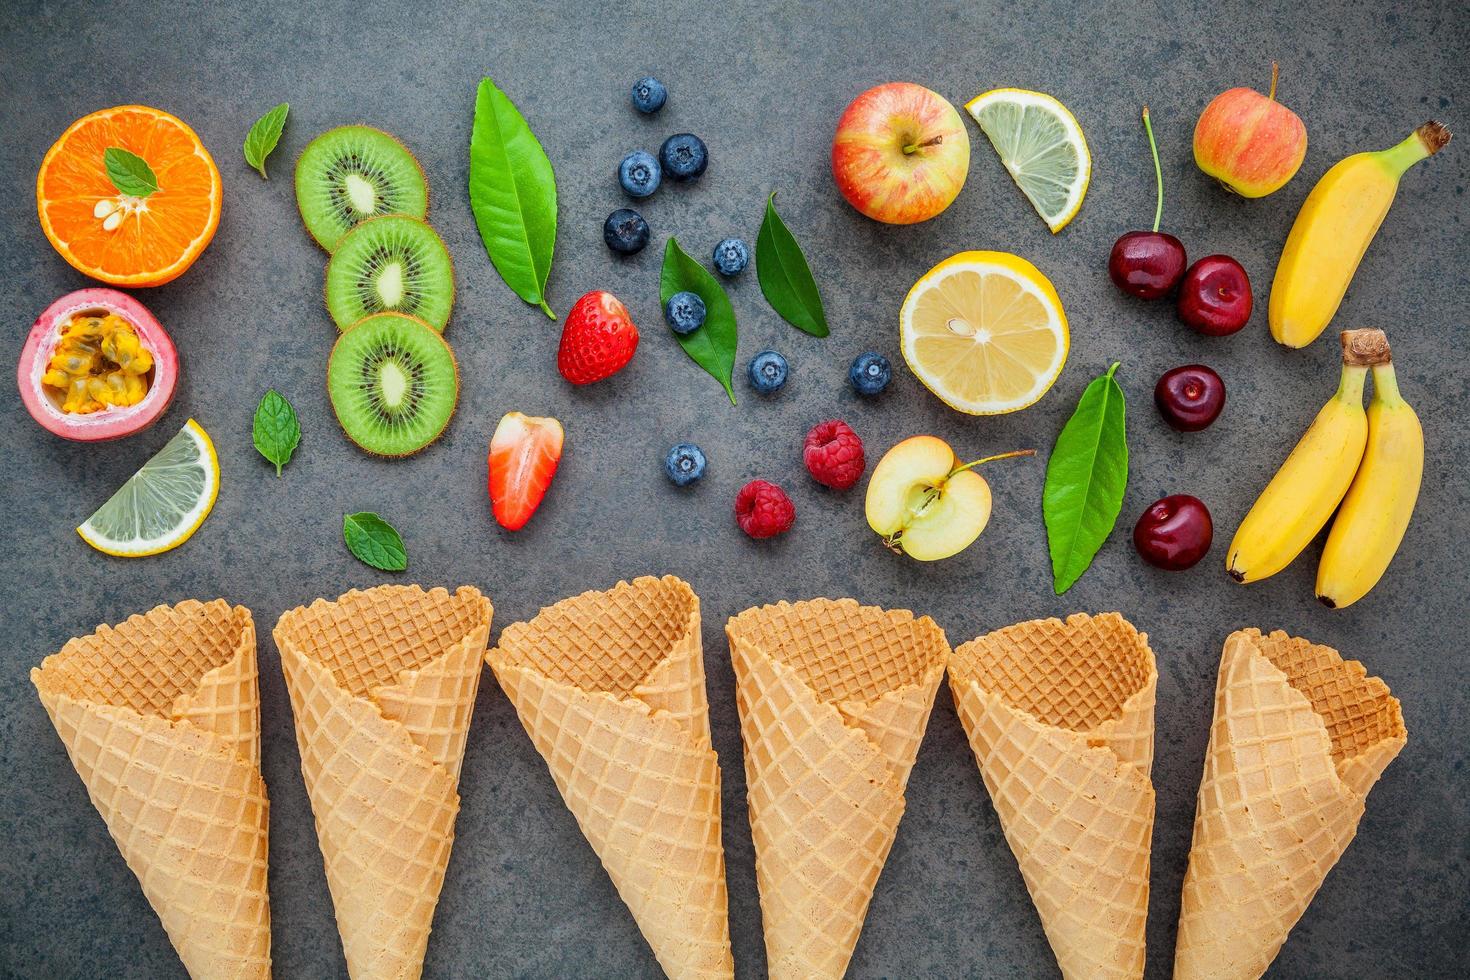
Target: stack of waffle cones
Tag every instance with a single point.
(1299, 737)
(610, 687)
(161, 718)
(1061, 719)
(834, 698)
(382, 687)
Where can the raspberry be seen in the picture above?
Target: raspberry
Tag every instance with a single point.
(763, 510)
(834, 454)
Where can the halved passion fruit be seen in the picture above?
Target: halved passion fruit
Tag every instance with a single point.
(97, 366)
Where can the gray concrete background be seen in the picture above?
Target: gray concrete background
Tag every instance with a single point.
(763, 84)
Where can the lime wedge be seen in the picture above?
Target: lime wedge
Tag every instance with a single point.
(162, 504)
(1041, 145)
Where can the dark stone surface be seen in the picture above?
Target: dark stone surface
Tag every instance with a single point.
(763, 84)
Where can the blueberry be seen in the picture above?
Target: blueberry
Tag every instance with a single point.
(639, 174)
(684, 464)
(870, 373)
(649, 94)
(731, 257)
(684, 156)
(685, 312)
(625, 231)
(767, 372)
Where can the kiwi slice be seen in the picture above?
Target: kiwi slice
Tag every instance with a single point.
(352, 173)
(392, 264)
(393, 384)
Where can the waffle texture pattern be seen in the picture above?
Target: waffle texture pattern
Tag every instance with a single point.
(382, 686)
(834, 698)
(1060, 716)
(161, 718)
(1299, 737)
(610, 687)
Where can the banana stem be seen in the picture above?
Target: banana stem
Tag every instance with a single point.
(1158, 171)
(1422, 143)
(1386, 385)
(1350, 385)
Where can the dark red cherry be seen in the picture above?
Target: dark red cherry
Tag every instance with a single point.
(1147, 264)
(1215, 296)
(1190, 397)
(1174, 533)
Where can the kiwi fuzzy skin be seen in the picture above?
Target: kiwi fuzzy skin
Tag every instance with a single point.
(326, 378)
(453, 275)
(428, 191)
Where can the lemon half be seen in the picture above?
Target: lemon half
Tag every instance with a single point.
(1041, 145)
(162, 504)
(984, 331)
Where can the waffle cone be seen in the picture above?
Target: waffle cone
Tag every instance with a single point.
(382, 687)
(833, 698)
(610, 687)
(1299, 737)
(1061, 719)
(161, 718)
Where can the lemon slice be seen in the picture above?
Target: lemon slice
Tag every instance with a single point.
(985, 332)
(1042, 146)
(163, 503)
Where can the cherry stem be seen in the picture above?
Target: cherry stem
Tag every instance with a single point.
(916, 147)
(1158, 171)
(991, 459)
(1274, 75)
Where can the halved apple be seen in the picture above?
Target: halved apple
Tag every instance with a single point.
(925, 503)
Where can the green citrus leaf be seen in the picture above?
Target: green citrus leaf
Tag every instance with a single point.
(129, 173)
(785, 278)
(373, 541)
(712, 346)
(1085, 480)
(513, 195)
(264, 136)
(277, 431)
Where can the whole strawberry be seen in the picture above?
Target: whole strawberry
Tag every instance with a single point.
(833, 454)
(763, 510)
(597, 339)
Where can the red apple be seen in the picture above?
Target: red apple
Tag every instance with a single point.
(1249, 142)
(901, 153)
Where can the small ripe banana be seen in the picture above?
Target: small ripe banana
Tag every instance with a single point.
(1374, 515)
(1301, 497)
(1333, 230)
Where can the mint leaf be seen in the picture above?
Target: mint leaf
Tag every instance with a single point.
(785, 278)
(373, 541)
(1085, 480)
(277, 431)
(712, 346)
(264, 136)
(129, 173)
(513, 195)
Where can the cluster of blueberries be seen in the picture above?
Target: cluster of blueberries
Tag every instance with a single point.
(684, 157)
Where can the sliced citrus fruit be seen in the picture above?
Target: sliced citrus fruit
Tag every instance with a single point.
(1041, 145)
(129, 239)
(985, 332)
(163, 503)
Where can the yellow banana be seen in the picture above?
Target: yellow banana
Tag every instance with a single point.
(1374, 515)
(1333, 230)
(1301, 497)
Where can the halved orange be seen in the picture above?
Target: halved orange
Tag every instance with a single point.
(114, 237)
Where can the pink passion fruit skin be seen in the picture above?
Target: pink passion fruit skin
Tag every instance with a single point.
(112, 422)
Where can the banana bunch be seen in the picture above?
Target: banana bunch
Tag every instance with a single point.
(1334, 228)
(1370, 463)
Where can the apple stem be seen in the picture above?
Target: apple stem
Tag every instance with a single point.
(1158, 171)
(1274, 74)
(991, 459)
(916, 147)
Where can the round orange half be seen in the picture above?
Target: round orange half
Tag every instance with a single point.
(118, 238)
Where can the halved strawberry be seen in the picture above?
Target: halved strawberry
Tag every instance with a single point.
(523, 455)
